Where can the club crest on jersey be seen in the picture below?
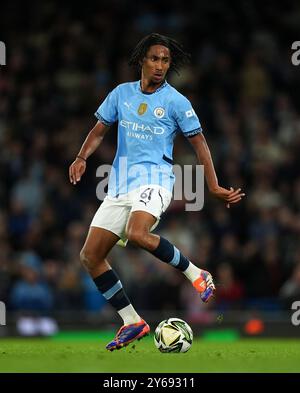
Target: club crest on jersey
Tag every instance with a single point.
(142, 108)
(159, 112)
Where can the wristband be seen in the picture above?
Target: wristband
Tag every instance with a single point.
(81, 158)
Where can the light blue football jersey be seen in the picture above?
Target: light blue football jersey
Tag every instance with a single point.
(147, 126)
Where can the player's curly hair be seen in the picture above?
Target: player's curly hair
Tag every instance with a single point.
(178, 56)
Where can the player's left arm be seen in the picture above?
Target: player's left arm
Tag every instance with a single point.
(201, 148)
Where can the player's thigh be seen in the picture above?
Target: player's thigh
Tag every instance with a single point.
(98, 243)
(149, 203)
(139, 222)
(112, 215)
(109, 222)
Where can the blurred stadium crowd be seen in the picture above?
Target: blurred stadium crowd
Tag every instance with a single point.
(62, 62)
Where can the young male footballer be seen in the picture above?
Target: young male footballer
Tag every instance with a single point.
(150, 112)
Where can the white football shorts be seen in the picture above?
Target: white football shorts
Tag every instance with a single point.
(113, 213)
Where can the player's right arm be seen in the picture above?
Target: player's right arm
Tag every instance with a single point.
(92, 141)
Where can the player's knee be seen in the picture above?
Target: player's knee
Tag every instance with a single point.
(88, 259)
(137, 237)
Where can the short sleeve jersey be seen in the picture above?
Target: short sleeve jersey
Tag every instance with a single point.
(147, 126)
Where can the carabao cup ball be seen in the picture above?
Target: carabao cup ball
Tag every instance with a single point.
(173, 335)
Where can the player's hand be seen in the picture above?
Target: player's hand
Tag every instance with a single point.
(76, 170)
(229, 196)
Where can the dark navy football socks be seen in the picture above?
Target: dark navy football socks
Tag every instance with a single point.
(111, 288)
(168, 253)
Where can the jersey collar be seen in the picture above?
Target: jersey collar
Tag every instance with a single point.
(156, 91)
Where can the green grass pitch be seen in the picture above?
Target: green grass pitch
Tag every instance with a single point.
(87, 353)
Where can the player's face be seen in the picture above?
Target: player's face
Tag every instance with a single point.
(156, 63)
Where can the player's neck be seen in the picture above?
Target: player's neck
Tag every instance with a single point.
(147, 86)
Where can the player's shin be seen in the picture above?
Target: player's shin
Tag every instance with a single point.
(168, 253)
(201, 279)
(111, 288)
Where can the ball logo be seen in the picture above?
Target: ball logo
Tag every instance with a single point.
(159, 112)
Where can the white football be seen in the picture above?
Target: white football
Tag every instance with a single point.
(173, 335)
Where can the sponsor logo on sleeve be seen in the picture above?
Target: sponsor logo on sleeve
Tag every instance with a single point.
(190, 113)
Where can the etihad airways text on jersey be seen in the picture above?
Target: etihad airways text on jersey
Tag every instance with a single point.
(141, 127)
